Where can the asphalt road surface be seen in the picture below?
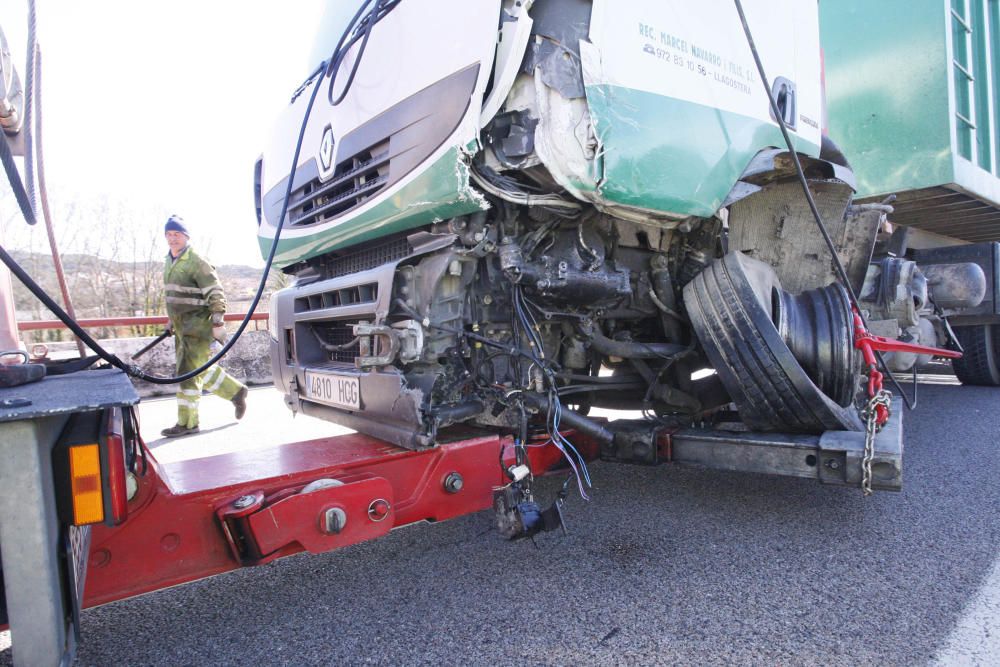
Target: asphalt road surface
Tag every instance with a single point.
(664, 566)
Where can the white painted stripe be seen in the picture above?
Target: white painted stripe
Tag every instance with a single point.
(976, 637)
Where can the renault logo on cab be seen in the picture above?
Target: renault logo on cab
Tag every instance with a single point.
(326, 149)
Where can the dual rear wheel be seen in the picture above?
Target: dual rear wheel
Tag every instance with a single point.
(980, 362)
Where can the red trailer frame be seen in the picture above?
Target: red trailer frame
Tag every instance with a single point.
(200, 517)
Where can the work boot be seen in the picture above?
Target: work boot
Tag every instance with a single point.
(178, 430)
(240, 401)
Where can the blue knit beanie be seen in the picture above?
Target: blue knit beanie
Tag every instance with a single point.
(175, 223)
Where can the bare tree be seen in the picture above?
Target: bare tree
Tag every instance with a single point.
(113, 255)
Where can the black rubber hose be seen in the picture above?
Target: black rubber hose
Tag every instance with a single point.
(132, 369)
(632, 350)
(451, 414)
(574, 420)
(341, 50)
(663, 296)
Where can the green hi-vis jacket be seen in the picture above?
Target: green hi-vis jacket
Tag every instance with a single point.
(193, 293)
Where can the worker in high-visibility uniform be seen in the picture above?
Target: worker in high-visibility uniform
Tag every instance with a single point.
(196, 305)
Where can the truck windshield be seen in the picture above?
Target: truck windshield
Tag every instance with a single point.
(337, 15)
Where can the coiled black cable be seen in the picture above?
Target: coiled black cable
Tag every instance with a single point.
(377, 13)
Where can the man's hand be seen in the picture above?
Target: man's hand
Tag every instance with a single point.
(218, 327)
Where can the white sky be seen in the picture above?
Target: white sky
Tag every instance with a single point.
(159, 108)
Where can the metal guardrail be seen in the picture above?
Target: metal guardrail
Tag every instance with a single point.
(97, 323)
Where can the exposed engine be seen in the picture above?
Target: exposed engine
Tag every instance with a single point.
(496, 316)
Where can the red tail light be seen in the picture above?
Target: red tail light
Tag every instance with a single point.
(117, 501)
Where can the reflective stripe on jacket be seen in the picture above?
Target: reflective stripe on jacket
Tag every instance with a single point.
(192, 293)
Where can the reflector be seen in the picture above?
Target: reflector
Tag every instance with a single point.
(85, 475)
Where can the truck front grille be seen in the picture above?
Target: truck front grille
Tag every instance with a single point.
(364, 258)
(354, 181)
(345, 296)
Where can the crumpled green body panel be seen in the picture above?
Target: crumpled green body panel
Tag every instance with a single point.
(671, 155)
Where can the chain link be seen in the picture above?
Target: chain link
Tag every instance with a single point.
(872, 427)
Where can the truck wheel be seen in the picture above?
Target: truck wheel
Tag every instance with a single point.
(979, 363)
(749, 328)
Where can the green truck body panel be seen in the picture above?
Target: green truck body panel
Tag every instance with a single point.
(887, 91)
(671, 118)
(671, 155)
(913, 93)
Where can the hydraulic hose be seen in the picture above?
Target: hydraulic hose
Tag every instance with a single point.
(10, 169)
(338, 53)
(132, 369)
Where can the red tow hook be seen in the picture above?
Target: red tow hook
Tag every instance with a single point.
(868, 343)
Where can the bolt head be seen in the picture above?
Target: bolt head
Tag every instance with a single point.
(334, 520)
(453, 483)
(244, 502)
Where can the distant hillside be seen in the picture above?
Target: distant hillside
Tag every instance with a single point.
(101, 288)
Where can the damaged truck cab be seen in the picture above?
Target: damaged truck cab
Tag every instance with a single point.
(508, 213)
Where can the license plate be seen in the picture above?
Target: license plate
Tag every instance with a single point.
(341, 390)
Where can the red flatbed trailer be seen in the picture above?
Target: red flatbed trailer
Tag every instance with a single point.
(199, 516)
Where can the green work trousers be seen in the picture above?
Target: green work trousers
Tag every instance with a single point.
(192, 352)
